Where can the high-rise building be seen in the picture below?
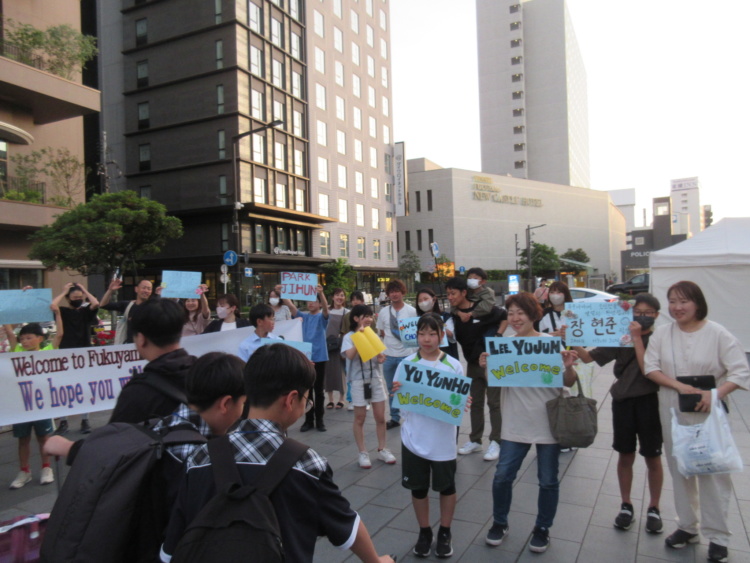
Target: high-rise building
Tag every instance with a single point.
(265, 125)
(532, 92)
(686, 207)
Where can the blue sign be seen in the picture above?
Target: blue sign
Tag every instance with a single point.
(598, 324)
(433, 392)
(248, 272)
(185, 285)
(30, 306)
(435, 249)
(230, 258)
(514, 284)
(524, 362)
(304, 347)
(408, 330)
(299, 285)
(461, 269)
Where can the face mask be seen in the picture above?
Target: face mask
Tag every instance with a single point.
(557, 298)
(473, 283)
(274, 301)
(75, 303)
(222, 312)
(645, 322)
(425, 305)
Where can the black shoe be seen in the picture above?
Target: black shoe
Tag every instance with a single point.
(321, 427)
(85, 427)
(653, 521)
(62, 428)
(393, 424)
(717, 553)
(306, 426)
(625, 518)
(443, 547)
(539, 540)
(424, 542)
(680, 538)
(497, 534)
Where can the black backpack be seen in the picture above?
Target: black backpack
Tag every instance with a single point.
(239, 523)
(113, 505)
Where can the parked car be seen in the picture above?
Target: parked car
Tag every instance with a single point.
(588, 295)
(636, 284)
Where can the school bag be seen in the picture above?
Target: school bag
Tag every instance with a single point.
(239, 523)
(112, 506)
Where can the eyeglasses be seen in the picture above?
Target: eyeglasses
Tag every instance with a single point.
(648, 313)
(308, 403)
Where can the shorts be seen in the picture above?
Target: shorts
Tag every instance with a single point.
(637, 417)
(41, 428)
(358, 392)
(415, 472)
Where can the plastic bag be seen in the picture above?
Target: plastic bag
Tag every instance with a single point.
(707, 448)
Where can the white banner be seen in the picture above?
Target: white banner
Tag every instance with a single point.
(50, 384)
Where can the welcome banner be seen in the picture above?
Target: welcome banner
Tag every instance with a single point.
(433, 392)
(524, 362)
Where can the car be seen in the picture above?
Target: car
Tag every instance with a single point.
(636, 284)
(588, 295)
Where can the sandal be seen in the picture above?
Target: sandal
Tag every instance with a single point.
(329, 406)
(339, 405)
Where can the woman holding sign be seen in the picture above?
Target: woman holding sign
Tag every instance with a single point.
(551, 321)
(525, 422)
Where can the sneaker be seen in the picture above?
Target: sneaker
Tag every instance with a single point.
(321, 427)
(350, 407)
(21, 479)
(539, 540)
(493, 451)
(85, 427)
(386, 455)
(424, 542)
(364, 460)
(47, 476)
(62, 428)
(680, 538)
(497, 534)
(470, 448)
(653, 521)
(625, 518)
(392, 424)
(306, 426)
(443, 547)
(716, 553)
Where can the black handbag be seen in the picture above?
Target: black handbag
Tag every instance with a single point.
(572, 420)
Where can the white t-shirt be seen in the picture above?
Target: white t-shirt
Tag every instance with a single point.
(393, 344)
(424, 436)
(228, 326)
(545, 324)
(356, 369)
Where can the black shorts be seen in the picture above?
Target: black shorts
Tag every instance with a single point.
(415, 472)
(637, 417)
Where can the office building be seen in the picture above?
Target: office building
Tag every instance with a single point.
(687, 212)
(532, 92)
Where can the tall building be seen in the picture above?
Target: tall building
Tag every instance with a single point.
(532, 92)
(41, 108)
(687, 212)
(183, 90)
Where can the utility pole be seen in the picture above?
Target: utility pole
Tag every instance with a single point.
(529, 228)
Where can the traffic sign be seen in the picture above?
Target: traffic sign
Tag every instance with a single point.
(224, 278)
(230, 258)
(224, 268)
(462, 269)
(248, 272)
(435, 249)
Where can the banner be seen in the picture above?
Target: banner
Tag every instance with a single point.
(598, 324)
(25, 306)
(50, 384)
(185, 285)
(299, 285)
(524, 362)
(408, 330)
(304, 347)
(437, 393)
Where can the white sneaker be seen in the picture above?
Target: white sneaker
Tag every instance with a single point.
(21, 479)
(364, 460)
(386, 455)
(493, 451)
(47, 476)
(470, 448)
(368, 406)
(350, 407)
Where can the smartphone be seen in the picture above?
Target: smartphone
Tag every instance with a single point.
(368, 391)
(117, 274)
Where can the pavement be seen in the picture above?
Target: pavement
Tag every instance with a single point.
(583, 530)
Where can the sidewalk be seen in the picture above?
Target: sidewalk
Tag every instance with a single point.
(583, 531)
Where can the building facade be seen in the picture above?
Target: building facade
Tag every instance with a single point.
(687, 211)
(532, 92)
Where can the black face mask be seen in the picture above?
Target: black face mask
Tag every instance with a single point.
(75, 303)
(645, 322)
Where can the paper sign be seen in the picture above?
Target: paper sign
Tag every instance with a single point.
(598, 324)
(30, 306)
(299, 285)
(408, 330)
(304, 347)
(368, 344)
(185, 285)
(434, 392)
(524, 362)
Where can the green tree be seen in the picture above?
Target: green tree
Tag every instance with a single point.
(340, 273)
(544, 259)
(408, 265)
(63, 171)
(579, 255)
(111, 231)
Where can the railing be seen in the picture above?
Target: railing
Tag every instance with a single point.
(17, 189)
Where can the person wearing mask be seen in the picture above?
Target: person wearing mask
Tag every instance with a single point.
(227, 309)
(427, 303)
(334, 380)
(283, 309)
(551, 322)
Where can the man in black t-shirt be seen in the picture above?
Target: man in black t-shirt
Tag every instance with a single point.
(143, 292)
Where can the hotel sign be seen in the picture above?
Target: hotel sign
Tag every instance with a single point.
(482, 189)
(400, 186)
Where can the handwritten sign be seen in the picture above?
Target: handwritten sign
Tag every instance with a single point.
(437, 393)
(30, 306)
(185, 285)
(598, 324)
(524, 362)
(304, 347)
(408, 330)
(368, 344)
(299, 285)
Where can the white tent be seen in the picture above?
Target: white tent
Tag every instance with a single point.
(718, 260)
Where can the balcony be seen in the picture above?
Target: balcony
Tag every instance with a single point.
(15, 189)
(26, 207)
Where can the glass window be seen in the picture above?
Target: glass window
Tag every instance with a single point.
(355, 53)
(519, 147)
(515, 43)
(370, 36)
(357, 113)
(357, 150)
(144, 157)
(516, 60)
(318, 23)
(389, 221)
(517, 95)
(376, 249)
(217, 11)
(220, 98)
(373, 126)
(297, 123)
(340, 108)
(325, 243)
(259, 190)
(259, 148)
(145, 191)
(388, 164)
(388, 195)
(141, 71)
(430, 236)
(375, 217)
(322, 133)
(361, 247)
(418, 200)
(517, 112)
(518, 129)
(354, 18)
(373, 157)
(368, 7)
(517, 77)
(389, 250)
(337, 7)
(383, 48)
(356, 86)
(279, 155)
(141, 31)
(280, 196)
(296, 84)
(520, 164)
(344, 246)
(277, 73)
(279, 111)
(360, 209)
(343, 211)
(255, 17)
(144, 116)
(219, 54)
(338, 39)
(320, 60)
(371, 96)
(224, 237)
(407, 240)
(338, 73)
(277, 33)
(320, 96)
(261, 240)
(294, 8)
(281, 238)
(341, 142)
(322, 169)
(383, 21)
(323, 205)
(299, 162)
(342, 176)
(419, 239)
(296, 45)
(359, 182)
(386, 134)
(374, 188)
(429, 202)
(386, 106)
(370, 66)
(256, 105)
(256, 61)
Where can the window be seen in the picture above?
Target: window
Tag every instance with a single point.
(371, 96)
(389, 221)
(514, 26)
(296, 45)
(344, 246)
(219, 54)
(370, 36)
(323, 205)
(386, 135)
(354, 19)
(517, 95)
(383, 22)
(320, 96)
(256, 105)
(299, 163)
(340, 108)
(361, 247)
(144, 157)
(343, 211)
(515, 8)
(341, 142)
(296, 84)
(407, 240)
(430, 236)
(224, 237)
(519, 147)
(374, 188)
(145, 191)
(217, 11)
(516, 60)
(355, 53)
(419, 239)
(281, 238)
(357, 113)
(297, 123)
(222, 143)
(384, 76)
(141, 31)
(360, 213)
(256, 61)
(386, 106)
(338, 39)
(375, 218)
(418, 200)
(517, 77)
(277, 73)
(222, 190)
(357, 150)
(279, 111)
(325, 243)
(277, 33)
(280, 198)
(255, 17)
(639, 241)
(389, 250)
(322, 133)
(259, 190)
(359, 182)
(368, 5)
(356, 86)
(342, 176)
(220, 98)
(261, 238)
(518, 112)
(338, 73)
(318, 24)
(429, 201)
(388, 194)
(320, 60)
(279, 155)
(376, 249)
(373, 126)
(518, 129)
(515, 43)
(520, 164)
(141, 71)
(144, 120)
(373, 157)
(322, 169)
(294, 9)
(383, 48)
(259, 148)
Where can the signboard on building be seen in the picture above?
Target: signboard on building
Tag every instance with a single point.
(685, 184)
(400, 186)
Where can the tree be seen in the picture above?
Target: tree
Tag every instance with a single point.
(579, 255)
(65, 173)
(409, 265)
(111, 231)
(340, 273)
(543, 258)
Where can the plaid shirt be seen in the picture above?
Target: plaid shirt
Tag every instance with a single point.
(183, 415)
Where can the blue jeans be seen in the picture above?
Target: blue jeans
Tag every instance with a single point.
(389, 371)
(511, 457)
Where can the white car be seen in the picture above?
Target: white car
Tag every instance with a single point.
(587, 295)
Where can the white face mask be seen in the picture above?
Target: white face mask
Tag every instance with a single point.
(426, 305)
(557, 298)
(473, 283)
(274, 301)
(222, 312)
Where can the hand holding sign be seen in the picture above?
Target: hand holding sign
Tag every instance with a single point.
(185, 285)
(598, 324)
(25, 306)
(432, 392)
(524, 362)
(367, 343)
(299, 285)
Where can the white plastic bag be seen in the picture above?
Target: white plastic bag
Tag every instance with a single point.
(703, 449)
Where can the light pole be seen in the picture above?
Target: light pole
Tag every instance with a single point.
(529, 228)
(238, 199)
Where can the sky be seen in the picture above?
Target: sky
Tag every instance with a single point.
(668, 87)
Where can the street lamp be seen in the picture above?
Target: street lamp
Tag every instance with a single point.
(529, 228)
(237, 198)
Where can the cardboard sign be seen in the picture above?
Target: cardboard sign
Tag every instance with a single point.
(438, 393)
(30, 306)
(598, 324)
(301, 285)
(183, 285)
(408, 329)
(524, 362)
(368, 344)
(304, 347)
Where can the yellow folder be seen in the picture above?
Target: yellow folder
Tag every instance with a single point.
(368, 344)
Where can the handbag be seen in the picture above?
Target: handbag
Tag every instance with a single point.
(572, 420)
(706, 448)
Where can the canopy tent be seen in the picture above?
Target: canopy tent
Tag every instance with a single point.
(718, 260)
